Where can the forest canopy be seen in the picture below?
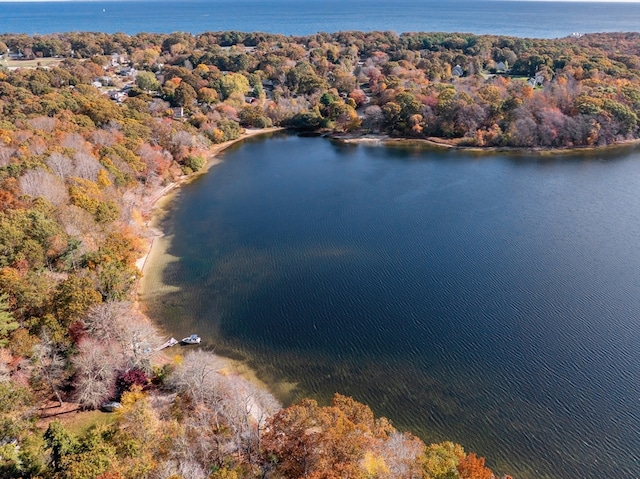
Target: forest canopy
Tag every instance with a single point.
(468, 89)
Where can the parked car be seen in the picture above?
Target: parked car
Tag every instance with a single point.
(111, 406)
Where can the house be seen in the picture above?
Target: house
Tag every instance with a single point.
(118, 96)
(501, 66)
(127, 71)
(457, 71)
(178, 113)
(535, 81)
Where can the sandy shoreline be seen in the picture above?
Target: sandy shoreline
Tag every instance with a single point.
(152, 211)
(154, 208)
(159, 198)
(445, 144)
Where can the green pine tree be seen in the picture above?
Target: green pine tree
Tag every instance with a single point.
(7, 321)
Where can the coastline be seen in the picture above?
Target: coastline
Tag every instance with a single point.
(445, 144)
(153, 210)
(154, 203)
(154, 207)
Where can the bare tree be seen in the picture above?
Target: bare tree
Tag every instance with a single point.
(158, 107)
(198, 376)
(141, 338)
(181, 140)
(103, 320)
(222, 399)
(75, 141)
(60, 165)
(6, 153)
(43, 123)
(120, 323)
(246, 410)
(103, 138)
(129, 201)
(373, 118)
(187, 469)
(402, 453)
(5, 372)
(41, 183)
(86, 166)
(78, 222)
(48, 364)
(95, 364)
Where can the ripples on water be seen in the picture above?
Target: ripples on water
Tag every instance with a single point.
(292, 17)
(490, 300)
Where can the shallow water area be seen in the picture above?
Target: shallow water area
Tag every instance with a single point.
(486, 298)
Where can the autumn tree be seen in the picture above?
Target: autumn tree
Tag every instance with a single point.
(232, 83)
(306, 439)
(441, 460)
(184, 95)
(137, 426)
(73, 297)
(472, 467)
(16, 449)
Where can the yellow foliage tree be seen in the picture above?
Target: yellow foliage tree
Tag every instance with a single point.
(441, 460)
(374, 465)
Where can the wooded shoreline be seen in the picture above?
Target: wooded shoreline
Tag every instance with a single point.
(92, 140)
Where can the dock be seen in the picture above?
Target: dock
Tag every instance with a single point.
(167, 344)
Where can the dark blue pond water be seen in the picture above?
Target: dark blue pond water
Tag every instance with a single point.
(492, 300)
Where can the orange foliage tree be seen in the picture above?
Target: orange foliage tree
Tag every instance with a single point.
(306, 440)
(472, 467)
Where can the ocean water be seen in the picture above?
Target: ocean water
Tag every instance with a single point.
(486, 299)
(296, 17)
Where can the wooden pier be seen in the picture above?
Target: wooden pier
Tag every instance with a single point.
(167, 344)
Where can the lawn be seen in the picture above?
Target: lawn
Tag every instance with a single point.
(74, 419)
(81, 421)
(38, 62)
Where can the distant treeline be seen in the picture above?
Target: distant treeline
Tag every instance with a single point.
(473, 90)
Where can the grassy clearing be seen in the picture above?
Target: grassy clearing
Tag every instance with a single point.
(74, 419)
(38, 62)
(79, 422)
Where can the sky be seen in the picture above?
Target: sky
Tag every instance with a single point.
(102, 1)
(99, 1)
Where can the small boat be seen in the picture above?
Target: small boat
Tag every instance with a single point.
(193, 339)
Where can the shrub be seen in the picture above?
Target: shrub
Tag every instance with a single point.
(194, 162)
(130, 378)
